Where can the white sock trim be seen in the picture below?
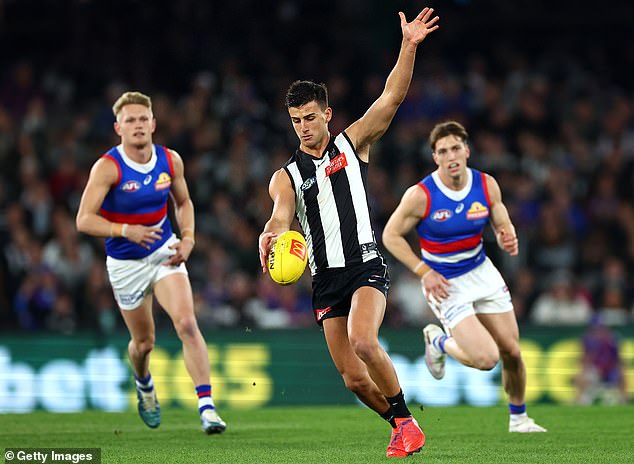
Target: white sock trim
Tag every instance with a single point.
(205, 401)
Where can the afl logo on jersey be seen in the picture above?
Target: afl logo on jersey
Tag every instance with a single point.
(131, 186)
(308, 183)
(477, 211)
(164, 182)
(441, 215)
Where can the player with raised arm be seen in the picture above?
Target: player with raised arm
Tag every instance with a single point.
(324, 185)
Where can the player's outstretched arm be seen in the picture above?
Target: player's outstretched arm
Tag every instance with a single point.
(373, 124)
(283, 196)
(500, 219)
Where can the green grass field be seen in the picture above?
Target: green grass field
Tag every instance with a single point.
(337, 434)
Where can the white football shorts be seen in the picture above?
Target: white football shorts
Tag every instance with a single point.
(480, 291)
(133, 279)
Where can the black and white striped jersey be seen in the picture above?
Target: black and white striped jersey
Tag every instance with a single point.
(331, 204)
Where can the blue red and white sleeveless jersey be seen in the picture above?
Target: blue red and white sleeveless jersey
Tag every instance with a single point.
(451, 230)
(138, 197)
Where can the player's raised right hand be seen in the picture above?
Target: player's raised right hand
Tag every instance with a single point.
(423, 25)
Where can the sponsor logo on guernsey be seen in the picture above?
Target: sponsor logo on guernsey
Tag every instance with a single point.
(337, 163)
(164, 181)
(441, 215)
(298, 249)
(131, 186)
(308, 183)
(320, 313)
(459, 208)
(147, 179)
(477, 211)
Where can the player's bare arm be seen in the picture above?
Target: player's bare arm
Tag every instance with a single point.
(500, 219)
(404, 218)
(283, 196)
(103, 176)
(407, 215)
(373, 124)
(184, 212)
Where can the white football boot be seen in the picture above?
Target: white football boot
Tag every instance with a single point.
(434, 358)
(523, 424)
(211, 422)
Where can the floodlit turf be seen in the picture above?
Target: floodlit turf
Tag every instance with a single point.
(338, 434)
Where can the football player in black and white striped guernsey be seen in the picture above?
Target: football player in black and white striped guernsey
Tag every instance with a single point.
(324, 184)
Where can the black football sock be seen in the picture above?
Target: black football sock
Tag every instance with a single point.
(389, 416)
(398, 405)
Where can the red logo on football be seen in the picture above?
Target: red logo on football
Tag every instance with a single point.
(298, 249)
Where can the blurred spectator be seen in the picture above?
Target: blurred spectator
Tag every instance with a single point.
(65, 180)
(268, 310)
(240, 297)
(36, 298)
(17, 256)
(283, 307)
(19, 89)
(62, 317)
(99, 307)
(562, 303)
(612, 305)
(524, 292)
(553, 246)
(218, 315)
(67, 256)
(407, 296)
(601, 378)
(38, 204)
(612, 293)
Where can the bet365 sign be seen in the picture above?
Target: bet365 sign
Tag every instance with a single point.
(270, 368)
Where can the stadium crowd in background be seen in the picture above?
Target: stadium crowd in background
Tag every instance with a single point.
(554, 124)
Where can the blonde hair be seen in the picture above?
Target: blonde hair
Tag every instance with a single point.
(131, 98)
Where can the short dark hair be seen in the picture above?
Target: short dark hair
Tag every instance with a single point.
(444, 129)
(302, 92)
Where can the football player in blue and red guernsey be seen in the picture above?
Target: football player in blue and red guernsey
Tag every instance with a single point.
(125, 201)
(449, 210)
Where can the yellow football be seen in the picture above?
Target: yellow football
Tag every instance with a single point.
(288, 257)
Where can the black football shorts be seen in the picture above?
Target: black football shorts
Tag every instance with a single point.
(333, 288)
